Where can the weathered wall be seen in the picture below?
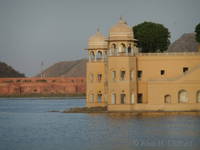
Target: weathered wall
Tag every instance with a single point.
(43, 86)
(97, 86)
(159, 91)
(156, 87)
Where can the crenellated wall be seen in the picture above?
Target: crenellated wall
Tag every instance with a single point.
(43, 86)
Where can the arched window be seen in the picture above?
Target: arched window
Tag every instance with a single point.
(91, 98)
(99, 55)
(183, 96)
(198, 96)
(167, 99)
(113, 101)
(113, 75)
(91, 77)
(132, 98)
(132, 75)
(99, 97)
(122, 48)
(123, 98)
(122, 74)
(92, 56)
(99, 77)
(114, 49)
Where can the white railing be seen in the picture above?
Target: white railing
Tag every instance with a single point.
(144, 54)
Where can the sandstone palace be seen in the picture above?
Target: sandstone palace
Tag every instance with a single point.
(123, 79)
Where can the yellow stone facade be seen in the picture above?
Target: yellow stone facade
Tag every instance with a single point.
(121, 78)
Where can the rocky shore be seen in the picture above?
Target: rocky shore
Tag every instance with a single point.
(129, 113)
(86, 110)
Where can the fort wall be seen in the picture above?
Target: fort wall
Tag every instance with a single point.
(42, 86)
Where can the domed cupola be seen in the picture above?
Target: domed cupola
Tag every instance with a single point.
(121, 31)
(97, 47)
(97, 41)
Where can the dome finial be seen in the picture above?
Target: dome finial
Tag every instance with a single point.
(121, 20)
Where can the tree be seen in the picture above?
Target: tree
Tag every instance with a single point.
(152, 37)
(197, 30)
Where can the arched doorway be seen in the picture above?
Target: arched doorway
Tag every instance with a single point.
(167, 99)
(183, 96)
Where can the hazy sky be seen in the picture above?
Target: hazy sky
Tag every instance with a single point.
(32, 31)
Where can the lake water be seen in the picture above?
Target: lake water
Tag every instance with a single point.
(26, 124)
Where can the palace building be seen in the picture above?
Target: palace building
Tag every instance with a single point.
(123, 79)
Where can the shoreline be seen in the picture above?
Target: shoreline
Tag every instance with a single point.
(103, 110)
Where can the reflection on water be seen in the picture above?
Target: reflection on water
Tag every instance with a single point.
(27, 124)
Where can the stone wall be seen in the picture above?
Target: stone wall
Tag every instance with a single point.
(42, 86)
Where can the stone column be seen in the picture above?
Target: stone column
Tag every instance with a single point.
(117, 50)
(89, 57)
(103, 56)
(110, 52)
(132, 51)
(95, 57)
(126, 51)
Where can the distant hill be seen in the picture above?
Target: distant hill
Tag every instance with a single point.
(76, 68)
(7, 71)
(186, 43)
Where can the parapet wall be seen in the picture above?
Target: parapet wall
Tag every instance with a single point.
(43, 86)
(170, 54)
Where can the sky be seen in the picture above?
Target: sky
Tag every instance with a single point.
(49, 31)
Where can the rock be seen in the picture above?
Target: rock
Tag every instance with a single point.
(76, 68)
(54, 111)
(86, 110)
(186, 43)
